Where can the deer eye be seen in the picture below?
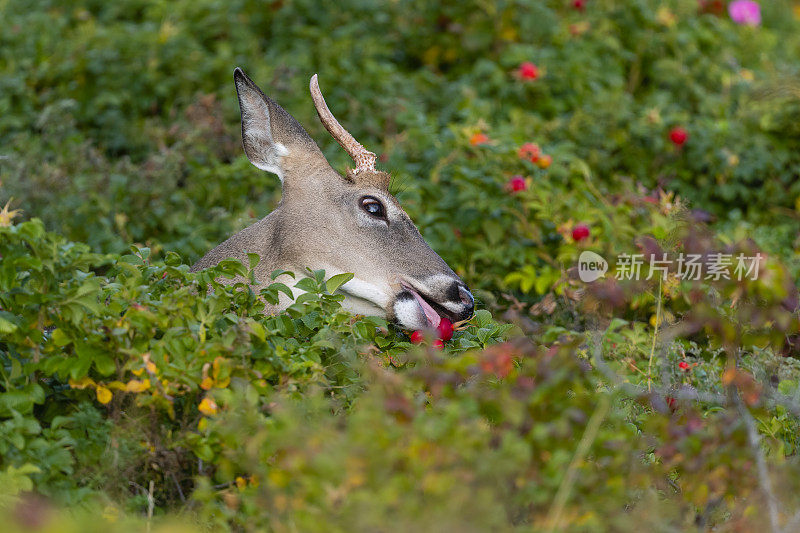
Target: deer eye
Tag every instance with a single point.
(374, 207)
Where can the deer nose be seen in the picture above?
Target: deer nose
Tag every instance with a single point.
(466, 300)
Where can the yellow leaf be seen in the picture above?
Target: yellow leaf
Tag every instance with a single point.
(208, 407)
(509, 33)
(138, 371)
(223, 383)
(241, 482)
(665, 17)
(135, 385)
(116, 385)
(279, 478)
(207, 383)
(111, 514)
(6, 215)
(431, 55)
(203, 424)
(103, 394)
(218, 361)
(151, 367)
(81, 383)
(254, 480)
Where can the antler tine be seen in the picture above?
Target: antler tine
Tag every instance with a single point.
(365, 160)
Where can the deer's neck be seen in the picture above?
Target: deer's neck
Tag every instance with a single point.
(262, 238)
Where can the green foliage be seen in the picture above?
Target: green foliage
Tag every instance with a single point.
(144, 337)
(133, 391)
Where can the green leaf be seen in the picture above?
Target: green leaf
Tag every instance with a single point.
(307, 285)
(104, 365)
(257, 329)
(482, 317)
(253, 260)
(6, 326)
(132, 259)
(59, 338)
(284, 289)
(16, 369)
(337, 281)
(172, 259)
(279, 272)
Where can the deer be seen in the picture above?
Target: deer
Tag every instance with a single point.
(338, 223)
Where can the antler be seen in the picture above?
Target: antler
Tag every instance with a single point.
(365, 160)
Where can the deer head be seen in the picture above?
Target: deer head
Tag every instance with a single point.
(338, 223)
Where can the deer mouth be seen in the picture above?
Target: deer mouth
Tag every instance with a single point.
(432, 317)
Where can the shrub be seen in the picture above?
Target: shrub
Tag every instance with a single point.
(134, 392)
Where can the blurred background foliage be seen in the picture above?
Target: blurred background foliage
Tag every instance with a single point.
(129, 391)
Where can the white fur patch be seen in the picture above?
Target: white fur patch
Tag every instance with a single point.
(259, 132)
(409, 314)
(272, 159)
(357, 306)
(439, 281)
(452, 306)
(367, 291)
(360, 296)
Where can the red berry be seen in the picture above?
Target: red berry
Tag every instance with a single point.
(683, 365)
(417, 337)
(445, 329)
(579, 4)
(438, 344)
(580, 232)
(678, 136)
(528, 71)
(517, 184)
(714, 7)
(530, 151)
(672, 403)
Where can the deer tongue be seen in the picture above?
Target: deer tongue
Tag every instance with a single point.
(431, 316)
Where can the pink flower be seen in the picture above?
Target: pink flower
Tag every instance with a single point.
(745, 12)
(528, 71)
(529, 151)
(517, 184)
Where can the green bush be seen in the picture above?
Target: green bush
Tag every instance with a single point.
(136, 394)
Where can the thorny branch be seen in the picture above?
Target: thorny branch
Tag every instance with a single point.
(764, 482)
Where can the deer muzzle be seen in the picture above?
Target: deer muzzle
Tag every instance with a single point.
(423, 305)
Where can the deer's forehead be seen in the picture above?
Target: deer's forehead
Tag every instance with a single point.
(370, 179)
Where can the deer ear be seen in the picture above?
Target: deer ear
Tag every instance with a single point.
(273, 140)
(259, 144)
